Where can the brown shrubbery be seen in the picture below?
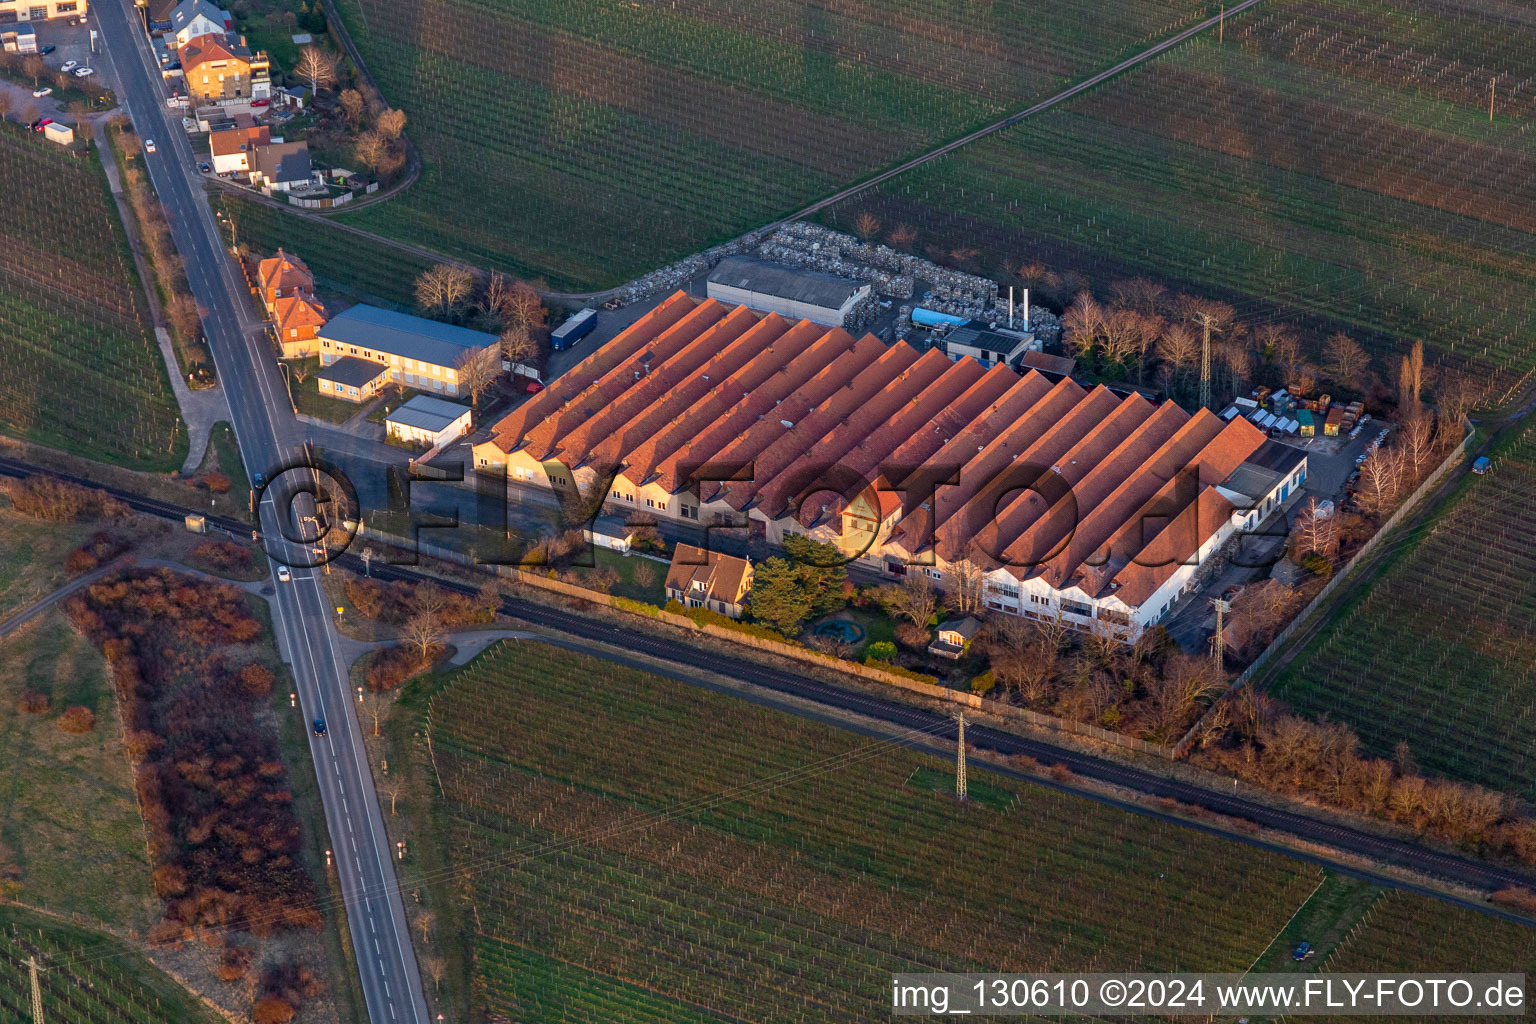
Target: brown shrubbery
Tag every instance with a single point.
(42, 497)
(223, 556)
(32, 702)
(77, 720)
(395, 603)
(392, 666)
(1250, 736)
(207, 766)
(100, 549)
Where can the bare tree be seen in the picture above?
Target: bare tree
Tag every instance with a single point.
(902, 236)
(443, 288)
(374, 706)
(35, 68)
(1314, 532)
(424, 631)
(915, 598)
(1380, 477)
(370, 148)
(1084, 323)
(643, 574)
(392, 123)
(477, 371)
(352, 105)
(426, 920)
(493, 300)
(866, 226)
(300, 369)
(1280, 345)
(436, 968)
(316, 66)
(1418, 439)
(183, 315)
(7, 102)
(1410, 380)
(524, 307)
(30, 113)
(1344, 360)
(517, 345)
(1145, 296)
(1186, 680)
(391, 789)
(970, 581)
(1179, 345)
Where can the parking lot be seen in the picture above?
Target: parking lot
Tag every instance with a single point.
(73, 43)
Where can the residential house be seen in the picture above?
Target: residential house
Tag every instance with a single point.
(955, 637)
(192, 18)
(352, 379)
(280, 167)
(297, 320)
(709, 579)
(419, 353)
(283, 276)
(232, 149)
(428, 420)
(221, 69)
(39, 10)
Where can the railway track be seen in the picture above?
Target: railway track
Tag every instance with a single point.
(1377, 848)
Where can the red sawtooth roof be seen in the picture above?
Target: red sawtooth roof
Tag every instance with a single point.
(1105, 480)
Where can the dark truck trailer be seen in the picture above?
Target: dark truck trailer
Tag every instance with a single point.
(573, 330)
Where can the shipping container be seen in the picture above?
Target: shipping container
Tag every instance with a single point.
(573, 330)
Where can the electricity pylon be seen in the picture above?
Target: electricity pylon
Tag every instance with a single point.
(37, 991)
(960, 758)
(1219, 641)
(1205, 320)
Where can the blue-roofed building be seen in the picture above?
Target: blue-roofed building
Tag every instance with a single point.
(419, 353)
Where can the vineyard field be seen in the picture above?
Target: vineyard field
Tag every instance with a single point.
(1323, 160)
(1440, 651)
(83, 371)
(600, 820)
(89, 978)
(1409, 934)
(588, 141)
(386, 277)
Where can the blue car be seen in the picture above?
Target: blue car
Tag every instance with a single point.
(1303, 951)
(319, 727)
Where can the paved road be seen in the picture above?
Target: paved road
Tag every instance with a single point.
(270, 439)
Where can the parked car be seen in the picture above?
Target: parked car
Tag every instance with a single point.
(41, 123)
(534, 387)
(69, 65)
(204, 167)
(1482, 465)
(319, 727)
(40, 93)
(84, 72)
(46, 50)
(149, 145)
(1303, 951)
(260, 103)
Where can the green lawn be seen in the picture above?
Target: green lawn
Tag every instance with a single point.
(226, 450)
(654, 593)
(68, 814)
(82, 370)
(32, 557)
(308, 399)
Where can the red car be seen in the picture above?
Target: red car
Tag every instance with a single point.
(38, 126)
(534, 387)
(260, 103)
